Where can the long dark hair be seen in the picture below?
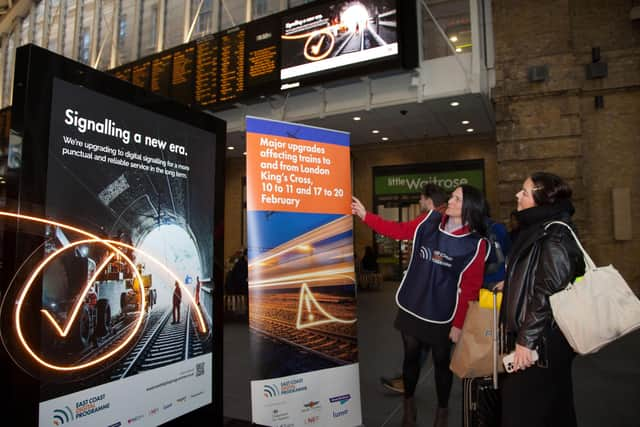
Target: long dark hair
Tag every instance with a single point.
(549, 189)
(473, 206)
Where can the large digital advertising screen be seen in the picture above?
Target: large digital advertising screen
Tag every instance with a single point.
(337, 34)
(113, 311)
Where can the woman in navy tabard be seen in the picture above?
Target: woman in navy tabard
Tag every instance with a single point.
(445, 273)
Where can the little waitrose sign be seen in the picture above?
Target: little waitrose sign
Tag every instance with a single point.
(412, 183)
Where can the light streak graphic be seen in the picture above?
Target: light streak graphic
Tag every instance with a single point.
(74, 313)
(337, 226)
(305, 294)
(354, 18)
(322, 275)
(27, 287)
(113, 245)
(312, 36)
(309, 258)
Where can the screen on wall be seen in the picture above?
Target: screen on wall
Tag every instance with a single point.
(318, 42)
(112, 309)
(338, 35)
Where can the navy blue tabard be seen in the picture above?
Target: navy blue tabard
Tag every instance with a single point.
(430, 288)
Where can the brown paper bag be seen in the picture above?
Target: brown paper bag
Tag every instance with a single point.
(473, 354)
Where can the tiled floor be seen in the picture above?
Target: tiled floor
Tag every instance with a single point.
(607, 385)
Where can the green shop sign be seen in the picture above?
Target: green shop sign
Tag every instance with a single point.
(412, 183)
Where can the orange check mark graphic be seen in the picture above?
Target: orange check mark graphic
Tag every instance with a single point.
(63, 332)
(315, 49)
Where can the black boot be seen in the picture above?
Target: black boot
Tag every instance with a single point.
(410, 412)
(442, 418)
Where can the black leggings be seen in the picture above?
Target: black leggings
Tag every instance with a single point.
(411, 367)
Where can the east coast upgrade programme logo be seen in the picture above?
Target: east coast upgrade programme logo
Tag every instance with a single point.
(62, 416)
(83, 408)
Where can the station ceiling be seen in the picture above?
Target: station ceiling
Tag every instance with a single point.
(424, 121)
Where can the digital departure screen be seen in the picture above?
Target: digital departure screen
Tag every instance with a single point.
(161, 74)
(123, 73)
(206, 87)
(141, 74)
(231, 70)
(262, 59)
(313, 43)
(182, 76)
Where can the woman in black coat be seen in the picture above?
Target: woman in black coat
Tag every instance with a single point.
(543, 260)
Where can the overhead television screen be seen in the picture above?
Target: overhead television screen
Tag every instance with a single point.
(121, 285)
(336, 35)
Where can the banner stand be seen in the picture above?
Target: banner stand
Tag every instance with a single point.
(303, 312)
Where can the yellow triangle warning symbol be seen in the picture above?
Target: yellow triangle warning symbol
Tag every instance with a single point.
(311, 313)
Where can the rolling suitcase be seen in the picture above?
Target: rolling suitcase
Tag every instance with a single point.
(481, 396)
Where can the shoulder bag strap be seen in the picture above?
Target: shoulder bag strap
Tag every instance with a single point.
(587, 259)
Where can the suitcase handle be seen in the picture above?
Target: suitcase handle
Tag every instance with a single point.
(495, 338)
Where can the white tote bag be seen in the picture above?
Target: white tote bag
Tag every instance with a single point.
(596, 310)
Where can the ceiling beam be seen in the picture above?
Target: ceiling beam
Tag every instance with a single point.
(15, 10)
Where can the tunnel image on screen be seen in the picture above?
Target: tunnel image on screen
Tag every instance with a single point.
(145, 183)
(336, 35)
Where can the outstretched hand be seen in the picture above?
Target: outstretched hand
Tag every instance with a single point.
(357, 208)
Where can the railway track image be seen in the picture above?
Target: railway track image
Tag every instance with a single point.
(119, 331)
(162, 343)
(334, 347)
(279, 316)
(158, 344)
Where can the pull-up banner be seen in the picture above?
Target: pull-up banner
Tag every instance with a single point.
(301, 276)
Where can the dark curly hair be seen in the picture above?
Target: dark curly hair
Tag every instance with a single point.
(549, 189)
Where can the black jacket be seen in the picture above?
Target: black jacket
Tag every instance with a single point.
(541, 263)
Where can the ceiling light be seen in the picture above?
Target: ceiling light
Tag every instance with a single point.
(458, 49)
(244, 153)
(453, 38)
(465, 122)
(356, 118)
(384, 138)
(469, 130)
(454, 103)
(231, 147)
(375, 131)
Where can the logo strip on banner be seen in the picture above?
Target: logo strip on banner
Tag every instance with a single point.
(301, 273)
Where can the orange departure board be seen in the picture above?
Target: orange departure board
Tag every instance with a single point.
(5, 125)
(141, 74)
(232, 51)
(183, 73)
(262, 72)
(123, 73)
(302, 46)
(161, 73)
(206, 88)
(262, 62)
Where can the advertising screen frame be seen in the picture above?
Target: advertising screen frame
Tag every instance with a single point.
(26, 187)
(406, 56)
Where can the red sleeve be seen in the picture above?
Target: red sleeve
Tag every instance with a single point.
(470, 285)
(393, 229)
